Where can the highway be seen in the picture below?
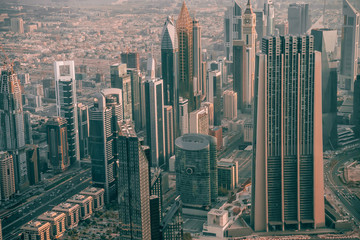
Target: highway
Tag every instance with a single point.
(44, 202)
(333, 182)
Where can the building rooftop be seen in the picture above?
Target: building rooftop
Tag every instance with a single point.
(92, 190)
(50, 215)
(217, 212)
(127, 130)
(192, 142)
(79, 198)
(65, 206)
(35, 225)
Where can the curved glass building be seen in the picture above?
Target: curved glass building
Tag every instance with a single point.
(196, 169)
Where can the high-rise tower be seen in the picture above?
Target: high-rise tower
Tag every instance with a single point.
(184, 28)
(287, 172)
(197, 57)
(349, 46)
(105, 116)
(249, 38)
(169, 64)
(66, 104)
(133, 190)
(57, 140)
(7, 179)
(196, 169)
(299, 18)
(83, 117)
(122, 80)
(269, 11)
(12, 133)
(233, 28)
(155, 131)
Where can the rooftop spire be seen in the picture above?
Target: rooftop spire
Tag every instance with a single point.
(248, 9)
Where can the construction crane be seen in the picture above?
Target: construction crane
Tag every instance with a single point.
(7, 62)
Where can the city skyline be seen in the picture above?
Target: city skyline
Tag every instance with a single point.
(179, 120)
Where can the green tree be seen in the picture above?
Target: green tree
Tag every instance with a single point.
(187, 236)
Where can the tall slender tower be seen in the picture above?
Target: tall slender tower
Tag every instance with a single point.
(66, 104)
(169, 64)
(12, 133)
(105, 116)
(58, 144)
(133, 187)
(233, 28)
(7, 179)
(184, 28)
(197, 57)
(83, 117)
(250, 43)
(269, 11)
(287, 171)
(349, 46)
(155, 131)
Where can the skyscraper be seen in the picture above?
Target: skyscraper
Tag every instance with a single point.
(197, 57)
(183, 116)
(199, 121)
(214, 82)
(104, 117)
(120, 79)
(169, 133)
(196, 169)
(233, 27)
(7, 177)
(135, 76)
(155, 131)
(83, 118)
(131, 59)
(250, 43)
(230, 104)
(288, 185)
(57, 141)
(298, 18)
(269, 11)
(239, 74)
(184, 28)
(261, 25)
(169, 65)
(12, 133)
(33, 162)
(349, 46)
(66, 104)
(325, 41)
(133, 196)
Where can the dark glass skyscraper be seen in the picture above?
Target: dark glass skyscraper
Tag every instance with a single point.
(105, 116)
(83, 118)
(169, 65)
(287, 172)
(12, 133)
(155, 130)
(133, 190)
(135, 76)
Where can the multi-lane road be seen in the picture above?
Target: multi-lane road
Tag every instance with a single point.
(45, 201)
(332, 180)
